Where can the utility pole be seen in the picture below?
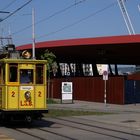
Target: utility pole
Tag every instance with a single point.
(4, 38)
(33, 33)
(126, 17)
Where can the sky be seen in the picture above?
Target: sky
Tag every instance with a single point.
(65, 19)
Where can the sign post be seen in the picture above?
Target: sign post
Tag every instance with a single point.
(67, 91)
(105, 78)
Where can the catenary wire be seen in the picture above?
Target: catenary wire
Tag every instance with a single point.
(79, 21)
(8, 5)
(16, 11)
(49, 17)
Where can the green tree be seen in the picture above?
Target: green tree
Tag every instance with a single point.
(51, 58)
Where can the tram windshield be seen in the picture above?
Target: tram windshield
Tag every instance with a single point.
(26, 76)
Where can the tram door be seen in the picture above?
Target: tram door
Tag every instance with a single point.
(12, 85)
(27, 86)
(2, 82)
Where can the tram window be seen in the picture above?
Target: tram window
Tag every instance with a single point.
(3, 73)
(39, 74)
(0, 75)
(13, 73)
(26, 76)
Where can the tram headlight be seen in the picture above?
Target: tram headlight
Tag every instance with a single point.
(25, 54)
(27, 95)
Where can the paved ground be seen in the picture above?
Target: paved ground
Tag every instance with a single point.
(124, 115)
(4, 137)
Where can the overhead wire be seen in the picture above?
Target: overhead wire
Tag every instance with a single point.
(8, 5)
(16, 11)
(49, 17)
(77, 22)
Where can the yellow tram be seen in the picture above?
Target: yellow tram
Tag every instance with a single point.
(22, 88)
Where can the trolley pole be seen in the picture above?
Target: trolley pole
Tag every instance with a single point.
(33, 34)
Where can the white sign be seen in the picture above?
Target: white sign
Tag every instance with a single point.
(105, 75)
(105, 72)
(67, 90)
(26, 87)
(101, 68)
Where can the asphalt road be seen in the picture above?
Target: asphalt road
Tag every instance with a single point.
(107, 127)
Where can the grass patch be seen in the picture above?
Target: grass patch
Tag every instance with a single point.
(65, 113)
(51, 101)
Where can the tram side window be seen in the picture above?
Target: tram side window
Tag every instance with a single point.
(0, 75)
(26, 76)
(39, 74)
(3, 73)
(13, 73)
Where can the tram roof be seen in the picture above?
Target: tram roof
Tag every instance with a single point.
(123, 49)
(28, 61)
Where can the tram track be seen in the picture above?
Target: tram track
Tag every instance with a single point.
(59, 127)
(103, 123)
(32, 130)
(47, 131)
(97, 129)
(29, 134)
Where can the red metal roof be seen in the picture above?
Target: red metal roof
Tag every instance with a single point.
(85, 41)
(114, 49)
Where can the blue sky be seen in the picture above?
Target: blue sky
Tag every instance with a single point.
(63, 19)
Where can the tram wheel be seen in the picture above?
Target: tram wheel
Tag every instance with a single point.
(28, 119)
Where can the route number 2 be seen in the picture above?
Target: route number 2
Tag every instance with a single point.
(39, 93)
(13, 94)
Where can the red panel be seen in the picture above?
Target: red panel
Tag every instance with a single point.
(135, 76)
(115, 90)
(92, 89)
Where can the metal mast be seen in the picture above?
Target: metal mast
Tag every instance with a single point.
(126, 17)
(33, 33)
